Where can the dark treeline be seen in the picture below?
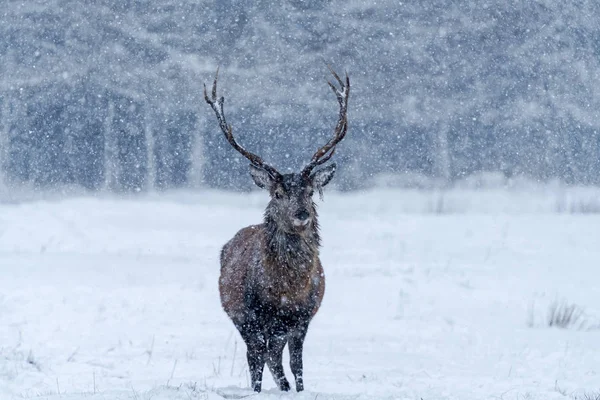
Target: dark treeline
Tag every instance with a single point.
(107, 94)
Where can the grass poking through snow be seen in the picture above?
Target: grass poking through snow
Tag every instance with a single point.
(564, 315)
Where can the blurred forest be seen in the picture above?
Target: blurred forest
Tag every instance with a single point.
(107, 94)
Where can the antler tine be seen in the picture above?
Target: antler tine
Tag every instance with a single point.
(325, 153)
(217, 106)
(337, 77)
(214, 88)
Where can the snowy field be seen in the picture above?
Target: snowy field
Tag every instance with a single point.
(432, 297)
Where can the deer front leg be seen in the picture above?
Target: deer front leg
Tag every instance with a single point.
(296, 344)
(257, 349)
(274, 360)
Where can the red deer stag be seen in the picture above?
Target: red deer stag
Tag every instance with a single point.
(272, 281)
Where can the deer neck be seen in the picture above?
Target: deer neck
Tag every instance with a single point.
(292, 251)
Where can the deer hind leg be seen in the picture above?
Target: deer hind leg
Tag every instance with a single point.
(256, 344)
(296, 344)
(275, 347)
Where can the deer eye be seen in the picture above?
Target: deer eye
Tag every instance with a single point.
(311, 191)
(278, 195)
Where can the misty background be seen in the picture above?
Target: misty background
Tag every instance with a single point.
(107, 94)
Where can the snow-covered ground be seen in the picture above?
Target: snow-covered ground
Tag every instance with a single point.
(117, 299)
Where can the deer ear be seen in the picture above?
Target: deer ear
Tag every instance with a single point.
(261, 177)
(323, 176)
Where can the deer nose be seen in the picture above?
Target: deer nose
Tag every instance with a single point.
(302, 215)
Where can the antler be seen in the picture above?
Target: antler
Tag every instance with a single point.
(326, 152)
(217, 106)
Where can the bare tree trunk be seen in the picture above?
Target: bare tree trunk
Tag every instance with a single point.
(150, 155)
(195, 179)
(110, 150)
(5, 118)
(442, 155)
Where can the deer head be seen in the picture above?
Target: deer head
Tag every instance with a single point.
(291, 205)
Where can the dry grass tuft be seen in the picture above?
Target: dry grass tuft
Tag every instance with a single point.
(564, 315)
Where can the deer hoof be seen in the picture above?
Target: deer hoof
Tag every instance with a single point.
(284, 385)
